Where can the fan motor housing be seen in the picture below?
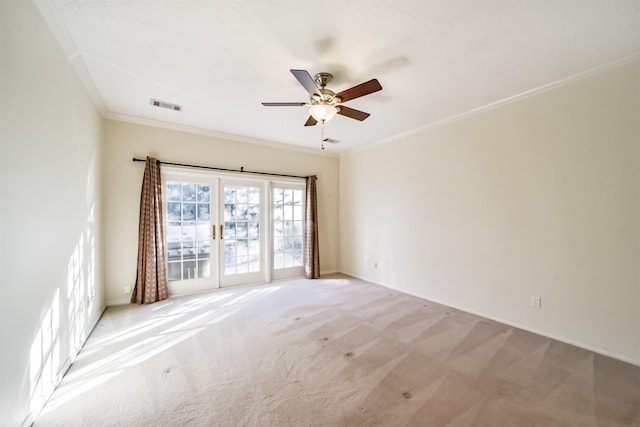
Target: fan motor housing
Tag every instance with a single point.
(326, 97)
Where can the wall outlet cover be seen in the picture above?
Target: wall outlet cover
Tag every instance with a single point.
(536, 302)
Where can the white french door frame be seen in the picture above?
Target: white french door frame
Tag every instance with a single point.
(287, 272)
(217, 180)
(187, 286)
(246, 278)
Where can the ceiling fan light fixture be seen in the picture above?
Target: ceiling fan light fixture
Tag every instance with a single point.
(324, 103)
(323, 112)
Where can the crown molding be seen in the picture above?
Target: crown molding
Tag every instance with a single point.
(635, 57)
(108, 115)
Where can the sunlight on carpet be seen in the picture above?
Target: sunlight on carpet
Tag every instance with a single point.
(332, 352)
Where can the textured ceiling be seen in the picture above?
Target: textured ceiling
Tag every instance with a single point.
(435, 60)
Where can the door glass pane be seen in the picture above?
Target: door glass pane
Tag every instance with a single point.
(204, 249)
(229, 212)
(254, 248)
(241, 194)
(204, 192)
(203, 232)
(297, 213)
(173, 232)
(253, 212)
(277, 196)
(254, 263)
(242, 247)
(173, 191)
(189, 270)
(278, 214)
(229, 230)
(174, 270)
(174, 211)
(230, 257)
(241, 211)
(174, 251)
(242, 264)
(287, 228)
(288, 212)
(278, 228)
(288, 196)
(188, 232)
(254, 230)
(288, 259)
(254, 196)
(188, 250)
(204, 268)
(203, 212)
(229, 194)
(241, 229)
(188, 241)
(188, 211)
(188, 192)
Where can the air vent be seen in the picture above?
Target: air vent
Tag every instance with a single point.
(167, 105)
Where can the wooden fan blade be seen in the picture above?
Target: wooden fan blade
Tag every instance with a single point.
(283, 104)
(353, 113)
(305, 80)
(311, 121)
(362, 89)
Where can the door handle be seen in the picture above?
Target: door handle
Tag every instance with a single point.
(213, 234)
(221, 231)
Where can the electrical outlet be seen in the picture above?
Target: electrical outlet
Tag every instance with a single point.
(536, 302)
(127, 290)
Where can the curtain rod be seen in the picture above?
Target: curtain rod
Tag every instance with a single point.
(241, 170)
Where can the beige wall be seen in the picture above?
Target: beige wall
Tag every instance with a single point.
(123, 178)
(50, 239)
(538, 197)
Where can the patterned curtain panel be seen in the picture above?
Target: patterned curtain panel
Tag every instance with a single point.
(151, 278)
(311, 251)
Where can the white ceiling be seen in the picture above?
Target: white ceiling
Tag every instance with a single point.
(434, 59)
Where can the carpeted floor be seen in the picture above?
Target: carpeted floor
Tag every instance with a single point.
(332, 352)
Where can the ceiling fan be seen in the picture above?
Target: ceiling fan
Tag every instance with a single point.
(323, 103)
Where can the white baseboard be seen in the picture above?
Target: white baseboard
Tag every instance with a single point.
(509, 323)
(125, 301)
(121, 301)
(327, 272)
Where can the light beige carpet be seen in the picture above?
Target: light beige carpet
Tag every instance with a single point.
(332, 352)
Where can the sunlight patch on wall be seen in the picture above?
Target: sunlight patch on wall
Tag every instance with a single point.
(44, 357)
(81, 284)
(45, 365)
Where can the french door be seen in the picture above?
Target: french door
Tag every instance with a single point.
(214, 235)
(242, 240)
(287, 218)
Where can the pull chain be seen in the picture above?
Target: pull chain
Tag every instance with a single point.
(322, 136)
